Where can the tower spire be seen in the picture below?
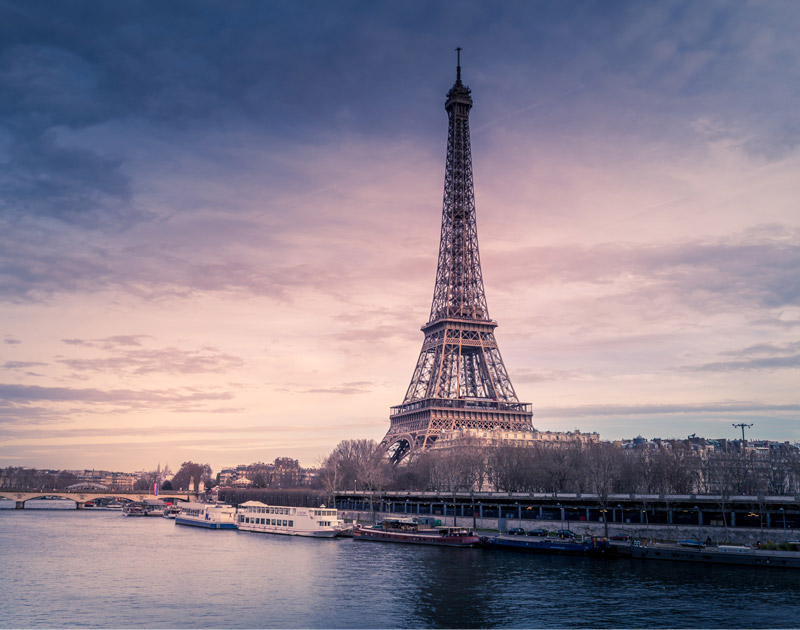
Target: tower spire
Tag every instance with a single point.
(460, 381)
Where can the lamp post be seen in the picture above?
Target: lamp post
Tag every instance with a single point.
(699, 542)
(472, 504)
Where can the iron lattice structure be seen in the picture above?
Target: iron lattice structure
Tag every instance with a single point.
(459, 380)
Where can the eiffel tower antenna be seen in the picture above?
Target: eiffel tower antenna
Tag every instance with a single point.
(459, 380)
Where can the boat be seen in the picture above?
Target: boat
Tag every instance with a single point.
(171, 510)
(133, 509)
(103, 503)
(717, 554)
(207, 515)
(583, 546)
(148, 507)
(153, 507)
(321, 522)
(412, 531)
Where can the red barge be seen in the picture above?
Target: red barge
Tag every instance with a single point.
(410, 531)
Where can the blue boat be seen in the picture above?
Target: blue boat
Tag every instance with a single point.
(207, 515)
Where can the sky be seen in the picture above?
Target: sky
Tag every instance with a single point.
(219, 220)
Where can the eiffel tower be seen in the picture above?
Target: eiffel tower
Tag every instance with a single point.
(460, 380)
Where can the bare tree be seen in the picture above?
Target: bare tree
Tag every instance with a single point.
(603, 465)
(191, 474)
(357, 463)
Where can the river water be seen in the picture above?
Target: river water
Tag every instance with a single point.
(68, 568)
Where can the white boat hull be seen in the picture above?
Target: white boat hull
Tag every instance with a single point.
(260, 518)
(294, 532)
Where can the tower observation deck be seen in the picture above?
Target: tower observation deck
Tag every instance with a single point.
(459, 380)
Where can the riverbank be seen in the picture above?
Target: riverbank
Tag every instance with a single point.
(87, 569)
(740, 535)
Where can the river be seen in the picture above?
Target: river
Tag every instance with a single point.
(69, 568)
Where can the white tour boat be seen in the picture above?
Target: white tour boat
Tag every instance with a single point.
(208, 515)
(320, 522)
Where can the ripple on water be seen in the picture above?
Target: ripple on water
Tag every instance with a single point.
(99, 569)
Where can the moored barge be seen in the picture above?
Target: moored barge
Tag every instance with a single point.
(588, 546)
(722, 554)
(401, 530)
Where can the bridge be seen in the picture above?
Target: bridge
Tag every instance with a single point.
(81, 497)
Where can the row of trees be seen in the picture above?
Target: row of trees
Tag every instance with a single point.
(189, 477)
(285, 472)
(19, 478)
(601, 468)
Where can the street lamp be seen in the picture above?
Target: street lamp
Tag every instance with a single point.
(699, 542)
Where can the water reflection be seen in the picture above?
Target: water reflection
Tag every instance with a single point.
(450, 592)
(100, 569)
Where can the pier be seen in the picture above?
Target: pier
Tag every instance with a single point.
(638, 514)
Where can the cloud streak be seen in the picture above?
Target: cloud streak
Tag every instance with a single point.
(23, 394)
(644, 411)
(166, 361)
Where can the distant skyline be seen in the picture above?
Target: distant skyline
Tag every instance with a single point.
(219, 220)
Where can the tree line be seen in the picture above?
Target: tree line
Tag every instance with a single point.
(674, 467)
(602, 468)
